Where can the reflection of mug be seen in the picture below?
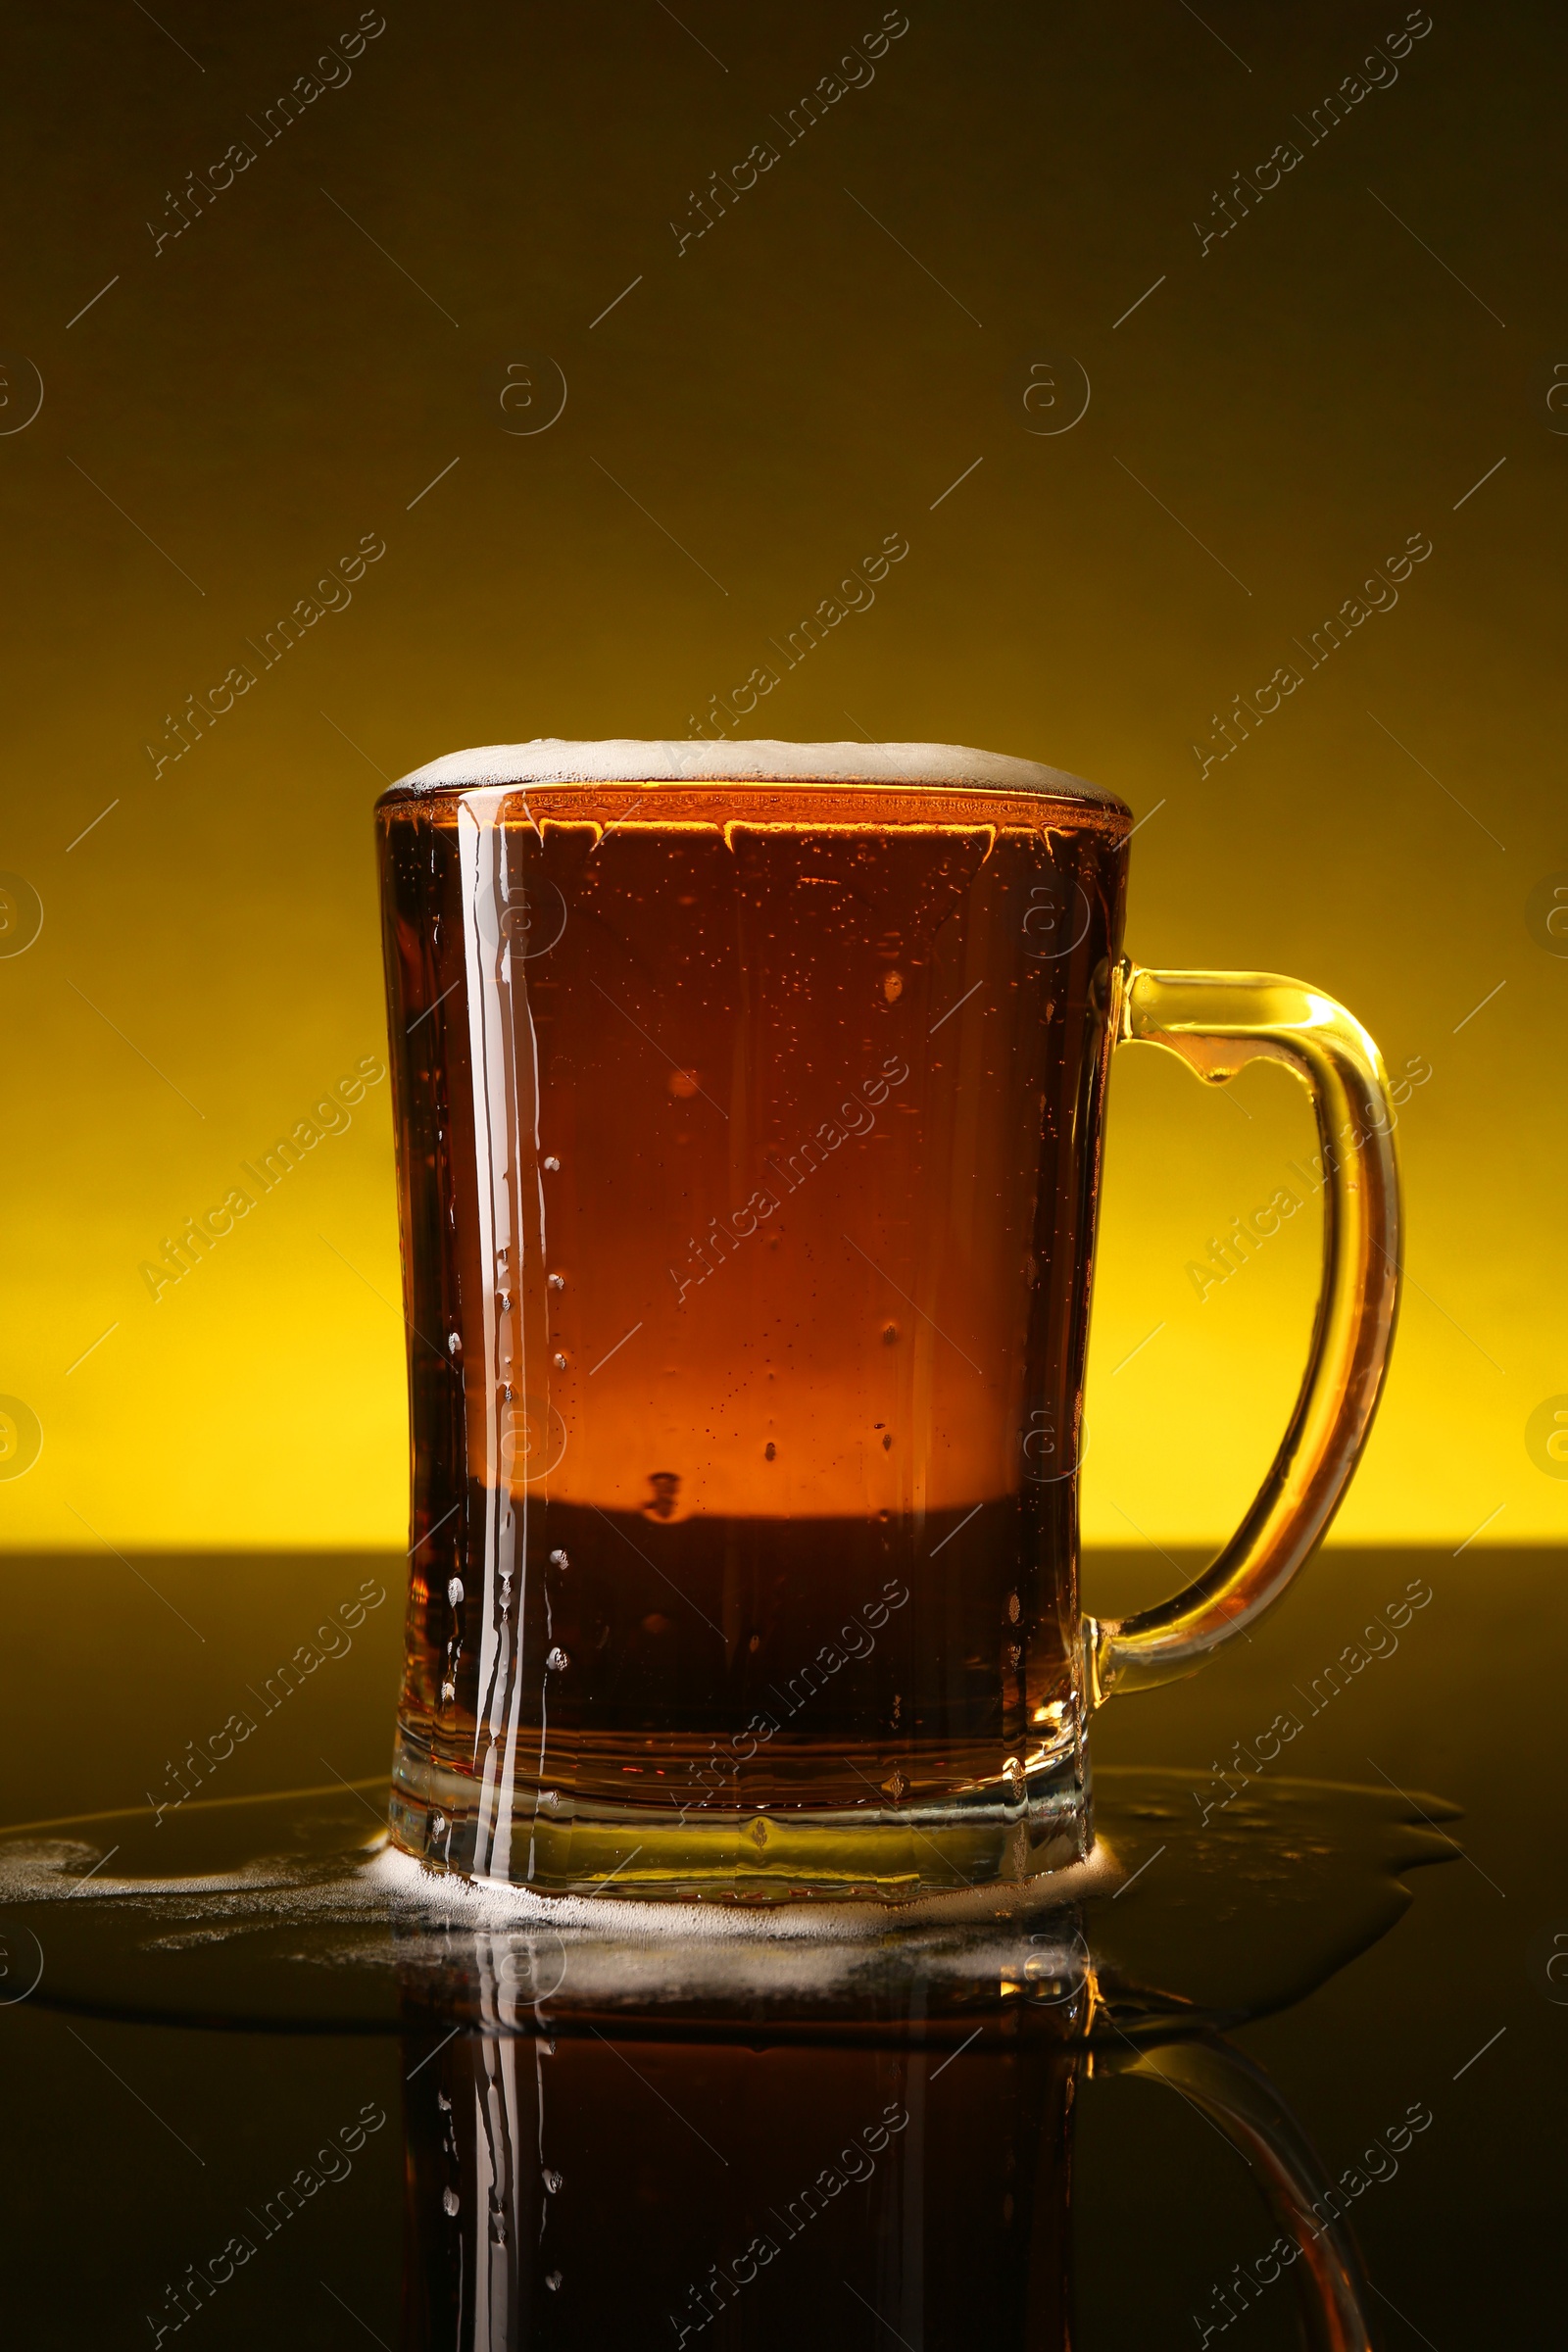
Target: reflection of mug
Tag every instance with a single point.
(773, 2191)
(749, 1210)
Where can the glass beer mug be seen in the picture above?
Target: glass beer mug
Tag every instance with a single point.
(749, 1103)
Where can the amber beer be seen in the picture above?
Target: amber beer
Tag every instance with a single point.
(749, 1152)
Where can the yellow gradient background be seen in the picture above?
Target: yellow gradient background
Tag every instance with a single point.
(250, 400)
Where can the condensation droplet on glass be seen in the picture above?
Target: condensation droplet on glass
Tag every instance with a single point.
(449, 2201)
(504, 1302)
(557, 1661)
(455, 1590)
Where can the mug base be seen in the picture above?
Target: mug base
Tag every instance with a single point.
(557, 1844)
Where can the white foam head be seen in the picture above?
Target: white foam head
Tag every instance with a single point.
(550, 760)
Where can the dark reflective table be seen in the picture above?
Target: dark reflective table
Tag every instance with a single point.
(1253, 2073)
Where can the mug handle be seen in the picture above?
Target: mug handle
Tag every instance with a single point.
(1216, 1023)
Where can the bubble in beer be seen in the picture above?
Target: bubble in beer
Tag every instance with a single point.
(553, 2283)
(559, 1362)
(552, 1163)
(551, 2180)
(558, 1282)
(557, 1661)
(893, 986)
(559, 1559)
(449, 2201)
(455, 1590)
(665, 1500)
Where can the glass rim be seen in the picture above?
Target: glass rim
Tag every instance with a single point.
(699, 763)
